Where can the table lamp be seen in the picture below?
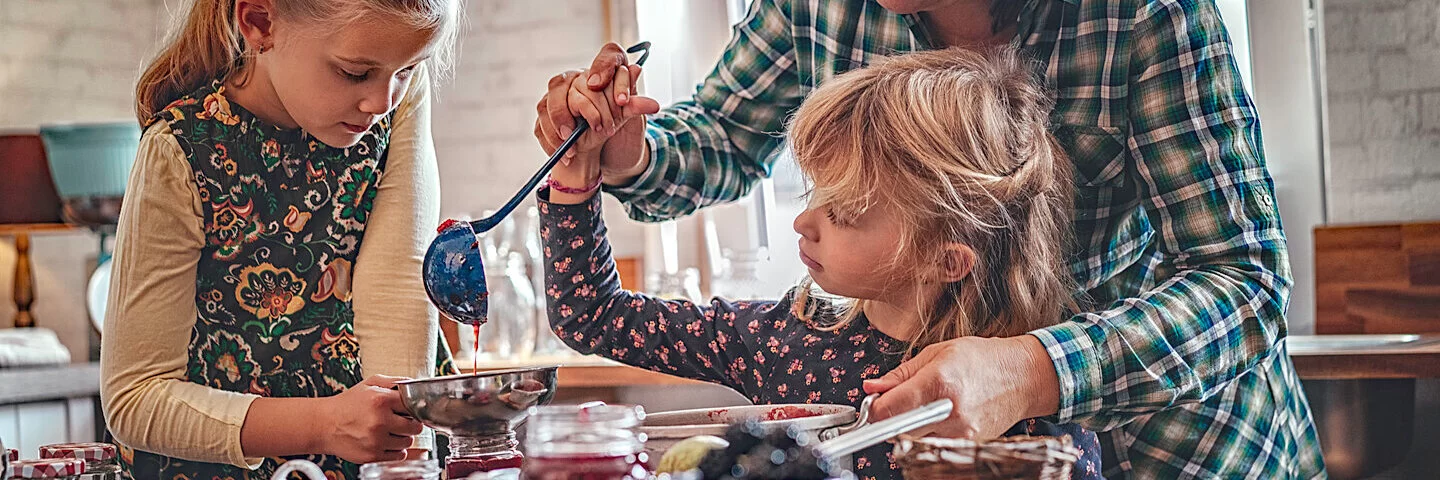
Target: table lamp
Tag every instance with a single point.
(28, 203)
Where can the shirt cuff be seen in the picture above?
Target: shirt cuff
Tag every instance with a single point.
(1076, 357)
(234, 418)
(648, 181)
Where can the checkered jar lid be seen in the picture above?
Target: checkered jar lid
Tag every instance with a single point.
(11, 455)
(47, 468)
(86, 451)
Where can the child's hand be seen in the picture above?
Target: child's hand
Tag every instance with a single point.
(369, 422)
(607, 111)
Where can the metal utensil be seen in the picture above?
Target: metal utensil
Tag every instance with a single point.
(454, 270)
(873, 434)
(478, 404)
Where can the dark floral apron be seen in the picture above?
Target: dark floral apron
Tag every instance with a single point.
(284, 218)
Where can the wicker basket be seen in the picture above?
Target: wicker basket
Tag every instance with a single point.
(1038, 458)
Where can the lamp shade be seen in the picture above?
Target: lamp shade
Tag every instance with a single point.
(91, 163)
(27, 191)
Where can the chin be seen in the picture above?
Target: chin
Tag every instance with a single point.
(339, 140)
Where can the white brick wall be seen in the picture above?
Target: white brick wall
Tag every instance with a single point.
(73, 60)
(77, 60)
(1383, 78)
(485, 116)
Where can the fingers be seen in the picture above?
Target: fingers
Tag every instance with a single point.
(557, 108)
(384, 381)
(901, 399)
(593, 110)
(602, 69)
(896, 377)
(545, 130)
(620, 90)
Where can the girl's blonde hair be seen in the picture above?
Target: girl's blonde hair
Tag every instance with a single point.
(208, 46)
(958, 142)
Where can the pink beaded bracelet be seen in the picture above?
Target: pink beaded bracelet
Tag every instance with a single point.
(556, 186)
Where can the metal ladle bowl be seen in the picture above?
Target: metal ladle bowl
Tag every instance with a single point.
(479, 404)
(454, 269)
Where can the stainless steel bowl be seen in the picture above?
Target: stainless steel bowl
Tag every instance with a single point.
(478, 404)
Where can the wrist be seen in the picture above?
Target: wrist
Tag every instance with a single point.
(1040, 389)
(637, 158)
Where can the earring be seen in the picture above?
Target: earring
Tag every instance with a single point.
(263, 49)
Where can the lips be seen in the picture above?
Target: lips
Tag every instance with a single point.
(810, 262)
(353, 128)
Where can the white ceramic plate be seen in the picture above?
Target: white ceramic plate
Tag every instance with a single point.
(97, 294)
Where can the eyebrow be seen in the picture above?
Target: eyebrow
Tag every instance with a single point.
(370, 62)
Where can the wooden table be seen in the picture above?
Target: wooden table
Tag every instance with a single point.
(1418, 359)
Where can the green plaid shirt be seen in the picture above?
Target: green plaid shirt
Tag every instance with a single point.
(1181, 367)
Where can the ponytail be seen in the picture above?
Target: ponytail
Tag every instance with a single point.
(208, 46)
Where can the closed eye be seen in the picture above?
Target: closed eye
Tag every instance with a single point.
(354, 77)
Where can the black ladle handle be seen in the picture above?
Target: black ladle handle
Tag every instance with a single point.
(485, 224)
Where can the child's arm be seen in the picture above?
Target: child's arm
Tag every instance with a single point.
(591, 312)
(395, 325)
(149, 403)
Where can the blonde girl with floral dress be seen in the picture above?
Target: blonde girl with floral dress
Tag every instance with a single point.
(267, 289)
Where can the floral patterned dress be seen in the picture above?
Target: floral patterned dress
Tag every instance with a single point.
(284, 215)
(759, 348)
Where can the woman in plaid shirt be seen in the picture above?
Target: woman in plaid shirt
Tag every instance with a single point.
(1180, 365)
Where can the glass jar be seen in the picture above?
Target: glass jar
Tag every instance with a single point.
(101, 459)
(591, 442)
(681, 285)
(401, 470)
(50, 468)
(469, 455)
(739, 277)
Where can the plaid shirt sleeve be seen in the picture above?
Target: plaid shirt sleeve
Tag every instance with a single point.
(712, 149)
(1222, 280)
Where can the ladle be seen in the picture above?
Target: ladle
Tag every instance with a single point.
(454, 269)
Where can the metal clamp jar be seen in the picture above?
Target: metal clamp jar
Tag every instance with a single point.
(589, 442)
(401, 470)
(48, 468)
(101, 459)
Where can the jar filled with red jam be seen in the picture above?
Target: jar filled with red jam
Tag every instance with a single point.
(590, 442)
(401, 470)
(482, 454)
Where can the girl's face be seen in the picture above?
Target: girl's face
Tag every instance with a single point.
(337, 84)
(851, 257)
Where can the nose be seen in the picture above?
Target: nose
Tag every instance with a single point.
(381, 97)
(805, 225)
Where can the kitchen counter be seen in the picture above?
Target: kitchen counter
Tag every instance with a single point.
(1339, 357)
(34, 384)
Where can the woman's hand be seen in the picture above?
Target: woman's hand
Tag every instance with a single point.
(623, 155)
(368, 422)
(993, 382)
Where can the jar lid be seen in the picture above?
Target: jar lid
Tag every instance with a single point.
(11, 455)
(47, 468)
(87, 451)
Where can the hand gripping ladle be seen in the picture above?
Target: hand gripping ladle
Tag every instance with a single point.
(454, 269)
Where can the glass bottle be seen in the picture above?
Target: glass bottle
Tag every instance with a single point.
(401, 470)
(589, 442)
(101, 459)
(739, 277)
(684, 284)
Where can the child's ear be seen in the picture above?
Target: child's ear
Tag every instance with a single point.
(254, 18)
(958, 262)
